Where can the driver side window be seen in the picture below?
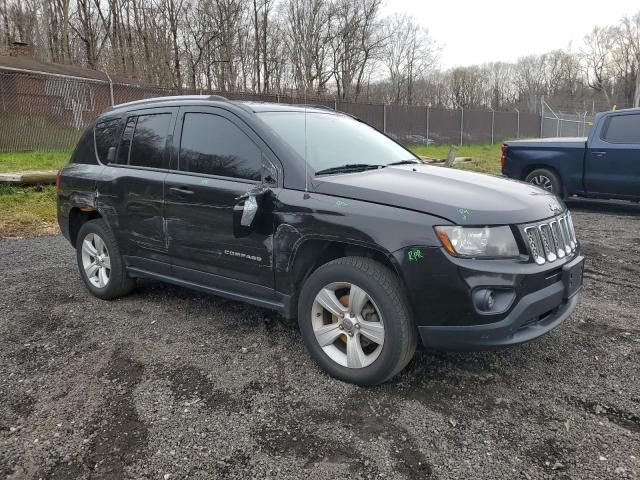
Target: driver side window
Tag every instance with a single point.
(212, 145)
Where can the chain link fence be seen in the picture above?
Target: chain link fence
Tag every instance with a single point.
(556, 123)
(49, 112)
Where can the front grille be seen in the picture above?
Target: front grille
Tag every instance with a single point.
(552, 239)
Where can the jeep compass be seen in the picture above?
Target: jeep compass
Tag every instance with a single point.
(316, 215)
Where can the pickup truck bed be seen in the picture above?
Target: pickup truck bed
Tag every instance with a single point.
(604, 165)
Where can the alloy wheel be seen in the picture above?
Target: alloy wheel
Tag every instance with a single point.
(348, 325)
(96, 261)
(542, 181)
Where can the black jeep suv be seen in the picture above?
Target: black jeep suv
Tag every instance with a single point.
(318, 216)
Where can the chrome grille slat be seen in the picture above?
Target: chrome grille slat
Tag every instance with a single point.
(557, 235)
(574, 240)
(547, 242)
(565, 234)
(535, 244)
(551, 240)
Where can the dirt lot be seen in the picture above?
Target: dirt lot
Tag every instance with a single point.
(156, 385)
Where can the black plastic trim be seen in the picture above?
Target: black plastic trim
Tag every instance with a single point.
(228, 289)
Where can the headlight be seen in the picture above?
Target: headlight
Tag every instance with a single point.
(478, 242)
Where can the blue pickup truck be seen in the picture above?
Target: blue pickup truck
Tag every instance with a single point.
(604, 165)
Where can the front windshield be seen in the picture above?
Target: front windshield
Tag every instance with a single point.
(334, 140)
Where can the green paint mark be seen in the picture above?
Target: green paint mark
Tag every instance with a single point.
(204, 181)
(464, 213)
(341, 203)
(415, 254)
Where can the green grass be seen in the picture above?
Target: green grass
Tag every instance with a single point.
(486, 158)
(27, 210)
(38, 160)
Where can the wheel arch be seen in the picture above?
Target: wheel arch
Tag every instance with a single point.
(310, 254)
(530, 168)
(78, 216)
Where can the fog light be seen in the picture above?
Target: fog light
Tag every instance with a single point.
(484, 300)
(490, 301)
(493, 300)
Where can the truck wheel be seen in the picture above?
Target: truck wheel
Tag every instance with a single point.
(545, 179)
(355, 321)
(99, 261)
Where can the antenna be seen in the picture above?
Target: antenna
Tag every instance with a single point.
(306, 163)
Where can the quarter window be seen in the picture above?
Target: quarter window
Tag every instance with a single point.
(212, 145)
(623, 129)
(106, 136)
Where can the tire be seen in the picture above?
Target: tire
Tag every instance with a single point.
(384, 316)
(109, 264)
(547, 180)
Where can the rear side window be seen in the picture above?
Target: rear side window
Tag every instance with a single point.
(83, 153)
(106, 136)
(125, 143)
(144, 140)
(623, 129)
(212, 145)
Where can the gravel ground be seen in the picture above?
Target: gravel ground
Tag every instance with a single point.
(169, 384)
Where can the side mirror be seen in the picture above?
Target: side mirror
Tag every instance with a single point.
(111, 155)
(247, 211)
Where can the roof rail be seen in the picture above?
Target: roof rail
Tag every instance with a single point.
(312, 105)
(169, 98)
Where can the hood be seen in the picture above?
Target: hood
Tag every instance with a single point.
(462, 197)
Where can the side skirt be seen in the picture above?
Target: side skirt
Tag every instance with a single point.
(227, 288)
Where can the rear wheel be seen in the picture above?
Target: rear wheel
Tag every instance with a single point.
(355, 322)
(547, 180)
(99, 261)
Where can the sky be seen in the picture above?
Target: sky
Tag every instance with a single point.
(473, 32)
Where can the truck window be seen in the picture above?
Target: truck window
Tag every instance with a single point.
(106, 136)
(213, 145)
(622, 129)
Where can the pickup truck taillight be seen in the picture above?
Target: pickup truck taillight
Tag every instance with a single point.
(503, 157)
(58, 177)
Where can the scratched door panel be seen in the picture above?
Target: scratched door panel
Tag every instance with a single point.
(218, 162)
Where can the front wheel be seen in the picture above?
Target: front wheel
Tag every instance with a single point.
(355, 322)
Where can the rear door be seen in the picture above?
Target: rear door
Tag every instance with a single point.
(219, 158)
(134, 187)
(612, 164)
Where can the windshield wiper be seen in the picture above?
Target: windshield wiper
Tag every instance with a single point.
(404, 162)
(349, 167)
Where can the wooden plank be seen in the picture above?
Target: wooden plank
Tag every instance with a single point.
(33, 177)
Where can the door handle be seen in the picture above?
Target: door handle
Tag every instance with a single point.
(181, 190)
(599, 154)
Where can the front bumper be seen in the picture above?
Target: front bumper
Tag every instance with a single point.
(533, 316)
(440, 290)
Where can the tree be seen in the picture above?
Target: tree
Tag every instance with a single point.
(408, 55)
(357, 41)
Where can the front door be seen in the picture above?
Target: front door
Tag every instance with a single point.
(218, 160)
(612, 165)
